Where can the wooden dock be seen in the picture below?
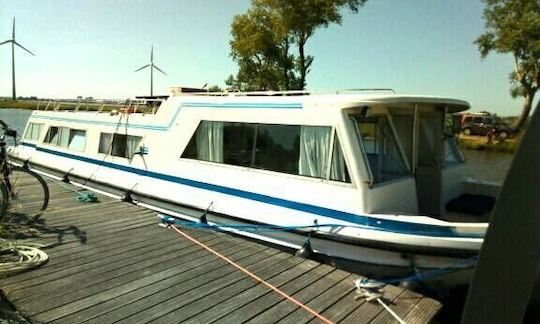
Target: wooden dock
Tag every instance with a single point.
(110, 262)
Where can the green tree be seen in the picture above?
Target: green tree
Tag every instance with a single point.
(265, 36)
(215, 88)
(513, 27)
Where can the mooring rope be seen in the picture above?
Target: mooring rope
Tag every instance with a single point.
(29, 257)
(252, 275)
(259, 228)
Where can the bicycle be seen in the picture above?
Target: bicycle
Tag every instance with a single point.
(22, 192)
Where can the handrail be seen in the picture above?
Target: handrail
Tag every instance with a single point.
(366, 90)
(247, 93)
(143, 106)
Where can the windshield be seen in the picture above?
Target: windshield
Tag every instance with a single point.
(379, 146)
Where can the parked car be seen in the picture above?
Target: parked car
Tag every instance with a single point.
(483, 123)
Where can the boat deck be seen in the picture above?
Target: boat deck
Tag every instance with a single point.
(110, 262)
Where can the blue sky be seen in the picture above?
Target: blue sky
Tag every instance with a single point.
(91, 48)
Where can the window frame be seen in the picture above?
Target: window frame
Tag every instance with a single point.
(44, 141)
(358, 133)
(31, 125)
(110, 147)
(251, 168)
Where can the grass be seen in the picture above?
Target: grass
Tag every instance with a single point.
(18, 104)
(480, 143)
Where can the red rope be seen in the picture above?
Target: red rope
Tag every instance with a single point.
(254, 276)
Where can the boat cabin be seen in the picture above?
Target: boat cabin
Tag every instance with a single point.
(374, 153)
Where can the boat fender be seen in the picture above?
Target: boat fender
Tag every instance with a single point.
(127, 197)
(305, 251)
(412, 285)
(65, 177)
(202, 218)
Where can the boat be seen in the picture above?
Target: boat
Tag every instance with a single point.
(370, 178)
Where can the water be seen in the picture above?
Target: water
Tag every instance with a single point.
(15, 118)
(485, 165)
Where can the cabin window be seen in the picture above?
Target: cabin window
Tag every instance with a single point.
(74, 139)
(292, 149)
(237, 143)
(452, 155)
(338, 169)
(33, 131)
(404, 129)
(119, 144)
(379, 145)
(277, 148)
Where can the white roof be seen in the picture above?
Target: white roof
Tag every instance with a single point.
(313, 100)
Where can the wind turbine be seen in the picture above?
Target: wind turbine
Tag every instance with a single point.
(13, 43)
(152, 67)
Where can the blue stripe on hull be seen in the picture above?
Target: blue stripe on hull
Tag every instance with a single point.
(362, 220)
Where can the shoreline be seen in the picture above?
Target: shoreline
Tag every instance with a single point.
(480, 143)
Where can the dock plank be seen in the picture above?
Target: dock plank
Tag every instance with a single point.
(110, 263)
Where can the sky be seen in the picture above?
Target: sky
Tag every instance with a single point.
(93, 47)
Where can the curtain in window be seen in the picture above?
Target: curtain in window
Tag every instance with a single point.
(132, 145)
(77, 139)
(338, 169)
(314, 151)
(36, 131)
(33, 131)
(52, 136)
(64, 137)
(210, 141)
(105, 143)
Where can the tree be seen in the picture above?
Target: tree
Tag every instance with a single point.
(264, 37)
(215, 88)
(513, 27)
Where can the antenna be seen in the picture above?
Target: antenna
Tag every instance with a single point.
(152, 67)
(13, 43)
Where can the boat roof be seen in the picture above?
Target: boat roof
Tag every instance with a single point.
(308, 100)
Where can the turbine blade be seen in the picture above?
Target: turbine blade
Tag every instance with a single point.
(147, 65)
(23, 48)
(152, 54)
(13, 30)
(4, 42)
(158, 69)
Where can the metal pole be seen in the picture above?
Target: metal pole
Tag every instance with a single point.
(14, 95)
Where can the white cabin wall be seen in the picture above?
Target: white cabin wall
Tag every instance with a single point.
(452, 182)
(395, 197)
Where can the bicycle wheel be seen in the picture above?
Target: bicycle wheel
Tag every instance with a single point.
(3, 201)
(28, 193)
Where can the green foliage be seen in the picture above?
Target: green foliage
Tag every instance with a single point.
(266, 35)
(513, 27)
(480, 143)
(215, 88)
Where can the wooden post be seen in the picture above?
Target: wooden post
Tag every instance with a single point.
(510, 258)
